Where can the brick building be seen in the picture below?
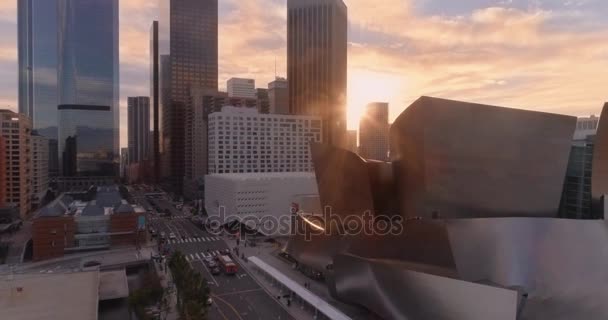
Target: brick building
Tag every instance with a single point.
(94, 220)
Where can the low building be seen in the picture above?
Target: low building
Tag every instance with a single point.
(92, 220)
(68, 296)
(261, 201)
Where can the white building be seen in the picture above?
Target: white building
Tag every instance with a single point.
(241, 140)
(40, 168)
(262, 201)
(586, 126)
(241, 88)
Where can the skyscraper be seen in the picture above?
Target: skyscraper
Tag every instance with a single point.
(278, 94)
(88, 87)
(316, 63)
(373, 132)
(154, 97)
(193, 30)
(139, 128)
(37, 45)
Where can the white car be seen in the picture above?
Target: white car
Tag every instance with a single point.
(172, 236)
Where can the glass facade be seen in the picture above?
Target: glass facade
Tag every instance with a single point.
(86, 146)
(88, 87)
(37, 42)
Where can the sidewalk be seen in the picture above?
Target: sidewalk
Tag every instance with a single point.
(166, 282)
(268, 252)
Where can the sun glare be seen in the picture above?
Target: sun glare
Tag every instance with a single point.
(366, 86)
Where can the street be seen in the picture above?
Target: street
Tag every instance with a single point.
(235, 296)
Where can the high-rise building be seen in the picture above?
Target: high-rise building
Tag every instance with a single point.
(241, 88)
(16, 131)
(88, 89)
(576, 198)
(155, 97)
(37, 44)
(40, 169)
(242, 140)
(352, 141)
(203, 102)
(263, 101)
(316, 63)
(3, 170)
(373, 132)
(193, 31)
(165, 95)
(139, 128)
(278, 96)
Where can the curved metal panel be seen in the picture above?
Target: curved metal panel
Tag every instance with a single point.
(393, 291)
(560, 263)
(464, 160)
(599, 173)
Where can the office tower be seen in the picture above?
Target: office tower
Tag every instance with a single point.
(263, 101)
(139, 128)
(576, 198)
(53, 158)
(373, 132)
(278, 96)
(242, 140)
(88, 89)
(16, 131)
(154, 97)
(124, 161)
(37, 45)
(241, 88)
(193, 33)
(352, 141)
(3, 170)
(316, 63)
(202, 103)
(40, 169)
(165, 95)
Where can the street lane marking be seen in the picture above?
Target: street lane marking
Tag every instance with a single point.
(197, 256)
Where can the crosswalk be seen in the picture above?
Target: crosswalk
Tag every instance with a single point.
(202, 255)
(165, 218)
(193, 240)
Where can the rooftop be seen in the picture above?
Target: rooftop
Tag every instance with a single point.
(63, 296)
(263, 175)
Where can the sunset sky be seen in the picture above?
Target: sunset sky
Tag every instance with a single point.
(547, 55)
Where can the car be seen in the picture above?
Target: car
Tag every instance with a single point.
(172, 236)
(209, 301)
(211, 264)
(163, 235)
(215, 270)
(208, 259)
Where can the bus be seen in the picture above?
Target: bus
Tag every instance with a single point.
(228, 266)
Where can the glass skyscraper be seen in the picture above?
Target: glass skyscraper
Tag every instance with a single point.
(37, 44)
(88, 87)
(68, 56)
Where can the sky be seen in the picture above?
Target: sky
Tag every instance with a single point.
(544, 55)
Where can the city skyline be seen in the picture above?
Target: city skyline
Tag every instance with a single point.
(513, 53)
